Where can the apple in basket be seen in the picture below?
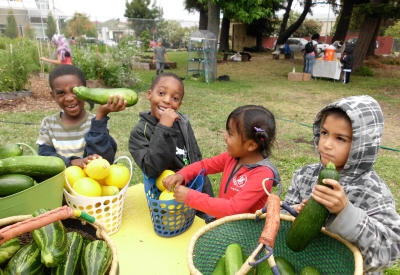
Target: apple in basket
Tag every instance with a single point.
(160, 178)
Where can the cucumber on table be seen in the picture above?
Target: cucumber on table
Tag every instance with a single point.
(13, 183)
(52, 241)
(10, 150)
(312, 217)
(33, 166)
(284, 266)
(101, 95)
(26, 261)
(233, 258)
(8, 249)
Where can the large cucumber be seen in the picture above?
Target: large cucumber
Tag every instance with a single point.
(220, 267)
(69, 265)
(101, 95)
(309, 270)
(8, 249)
(14, 183)
(311, 218)
(26, 261)
(10, 150)
(33, 166)
(96, 258)
(233, 258)
(284, 266)
(263, 268)
(52, 241)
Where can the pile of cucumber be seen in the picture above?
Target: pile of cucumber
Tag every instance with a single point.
(19, 172)
(55, 251)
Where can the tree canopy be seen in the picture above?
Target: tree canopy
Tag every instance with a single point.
(11, 27)
(80, 25)
(51, 26)
(138, 13)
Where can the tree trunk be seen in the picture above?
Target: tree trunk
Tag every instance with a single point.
(213, 18)
(224, 39)
(372, 44)
(203, 18)
(344, 21)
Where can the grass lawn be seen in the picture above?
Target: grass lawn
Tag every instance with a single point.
(262, 81)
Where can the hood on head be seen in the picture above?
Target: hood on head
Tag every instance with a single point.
(367, 122)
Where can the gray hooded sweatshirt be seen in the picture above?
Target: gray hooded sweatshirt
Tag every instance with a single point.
(369, 220)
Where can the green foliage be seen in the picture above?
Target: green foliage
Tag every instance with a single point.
(145, 37)
(113, 68)
(51, 26)
(393, 30)
(140, 9)
(364, 71)
(308, 28)
(80, 25)
(19, 59)
(29, 32)
(11, 27)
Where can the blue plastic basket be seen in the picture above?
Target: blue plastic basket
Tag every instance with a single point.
(170, 218)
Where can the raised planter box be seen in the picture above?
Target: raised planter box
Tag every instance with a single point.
(12, 95)
(152, 66)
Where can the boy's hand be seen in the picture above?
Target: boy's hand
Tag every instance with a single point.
(180, 192)
(175, 179)
(82, 162)
(168, 117)
(300, 206)
(115, 103)
(334, 199)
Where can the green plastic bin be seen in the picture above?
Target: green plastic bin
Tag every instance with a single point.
(47, 194)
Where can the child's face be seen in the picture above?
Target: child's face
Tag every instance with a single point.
(166, 94)
(159, 44)
(234, 143)
(335, 141)
(65, 98)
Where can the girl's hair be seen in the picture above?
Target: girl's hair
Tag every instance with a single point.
(158, 78)
(337, 113)
(65, 69)
(62, 46)
(254, 123)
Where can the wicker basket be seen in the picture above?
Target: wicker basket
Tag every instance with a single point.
(328, 252)
(93, 230)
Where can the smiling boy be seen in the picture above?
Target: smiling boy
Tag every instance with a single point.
(348, 133)
(74, 135)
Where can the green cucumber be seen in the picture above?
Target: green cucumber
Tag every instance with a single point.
(33, 166)
(26, 261)
(96, 258)
(101, 95)
(312, 217)
(309, 270)
(8, 249)
(69, 265)
(220, 267)
(233, 258)
(13, 183)
(10, 150)
(284, 266)
(52, 241)
(263, 268)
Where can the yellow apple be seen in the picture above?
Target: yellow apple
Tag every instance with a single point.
(160, 178)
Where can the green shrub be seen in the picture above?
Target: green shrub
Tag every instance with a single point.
(364, 71)
(19, 59)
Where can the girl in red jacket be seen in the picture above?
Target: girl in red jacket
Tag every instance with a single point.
(250, 134)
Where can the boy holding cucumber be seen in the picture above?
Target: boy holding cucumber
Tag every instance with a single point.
(74, 135)
(163, 139)
(362, 210)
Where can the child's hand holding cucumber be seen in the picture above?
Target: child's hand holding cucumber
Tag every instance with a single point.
(101, 96)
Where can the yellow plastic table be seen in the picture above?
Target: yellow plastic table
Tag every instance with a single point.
(140, 249)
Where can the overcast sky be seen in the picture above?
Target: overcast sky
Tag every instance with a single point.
(106, 9)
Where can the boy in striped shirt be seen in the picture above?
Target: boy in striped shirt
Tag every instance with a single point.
(73, 134)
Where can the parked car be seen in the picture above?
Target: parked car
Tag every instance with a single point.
(351, 44)
(109, 42)
(296, 45)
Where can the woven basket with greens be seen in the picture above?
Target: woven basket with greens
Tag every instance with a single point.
(329, 253)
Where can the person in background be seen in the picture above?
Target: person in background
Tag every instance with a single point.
(348, 133)
(163, 138)
(347, 61)
(73, 40)
(158, 57)
(74, 135)
(64, 54)
(310, 56)
(340, 46)
(288, 50)
(250, 134)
